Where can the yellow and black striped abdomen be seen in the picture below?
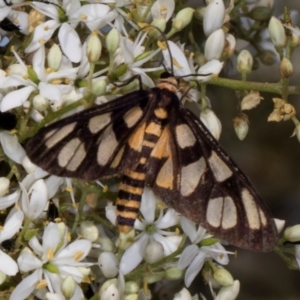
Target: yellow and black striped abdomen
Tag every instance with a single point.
(133, 181)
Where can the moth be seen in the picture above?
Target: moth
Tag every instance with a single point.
(148, 138)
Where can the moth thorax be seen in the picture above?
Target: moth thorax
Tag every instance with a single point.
(170, 84)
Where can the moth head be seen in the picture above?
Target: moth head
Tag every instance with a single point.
(169, 82)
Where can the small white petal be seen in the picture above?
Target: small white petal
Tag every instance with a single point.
(134, 255)
(70, 43)
(189, 228)
(27, 262)
(38, 196)
(16, 98)
(9, 200)
(169, 219)
(187, 256)
(11, 147)
(12, 224)
(53, 183)
(68, 253)
(194, 268)
(42, 32)
(51, 239)
(7, 265)
(26, 286)
(148, 205)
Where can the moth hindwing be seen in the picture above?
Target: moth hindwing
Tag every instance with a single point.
(149, 138)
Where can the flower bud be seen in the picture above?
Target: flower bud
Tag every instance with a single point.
(292, 234)
(214, 45)
(260, 13)
(184, 294)
(109, 291)
(244, 62)
(68, 287)
(183, 18)
(54, 57)
(286, 68)
(267, 57)
(154, 277)
(40, 103)
(229, 292)
(99, 87)
(211, 122)
(277, 33)
(160, 23)
(112, 41)
(241, 126)
(251, 100)
(213, 16)
(154, 252)
(4, 186)
(223, 277)
(93, 47)
(131, 287)
(89, 231)
(174, 273)
(109, 264)
(106, 244)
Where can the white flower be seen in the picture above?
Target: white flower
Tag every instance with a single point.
(95, 16)
(151, 230)
(130, 53)
(214, 45)
(40, 81)
(34, 201)
(193, 256)
(51, 262)
(11, 226)
(163, 9)
(229, 292)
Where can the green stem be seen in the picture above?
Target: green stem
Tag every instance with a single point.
(275, 88)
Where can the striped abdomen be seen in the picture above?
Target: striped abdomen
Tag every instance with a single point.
(133, 181)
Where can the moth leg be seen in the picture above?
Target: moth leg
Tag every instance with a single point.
(129, 80)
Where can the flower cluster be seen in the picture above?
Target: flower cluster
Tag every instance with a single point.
(59, 57)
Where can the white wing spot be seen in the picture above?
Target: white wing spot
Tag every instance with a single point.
(55, 136)
(77, 159)
(214, 211)
(251, 210)
(229, 217)
(98, 122)
(66, 153)
(191, 175)
(132, 116)
(185, 136)
(219, 168)
(107, 146)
